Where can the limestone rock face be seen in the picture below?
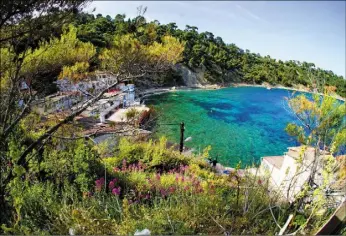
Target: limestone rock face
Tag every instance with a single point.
(192, 78)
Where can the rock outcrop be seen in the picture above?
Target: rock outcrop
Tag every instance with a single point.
(193, 79)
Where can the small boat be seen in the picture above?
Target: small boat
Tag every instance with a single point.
(269, 88)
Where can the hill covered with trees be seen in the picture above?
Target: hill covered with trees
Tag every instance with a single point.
(222, 62)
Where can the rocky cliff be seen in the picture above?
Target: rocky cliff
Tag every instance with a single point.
(194, 79)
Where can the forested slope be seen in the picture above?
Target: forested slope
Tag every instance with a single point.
(222, 62)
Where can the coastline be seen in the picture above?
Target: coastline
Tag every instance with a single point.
(155, 91)
(304, 90)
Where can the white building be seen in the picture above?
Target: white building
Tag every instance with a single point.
(129, 95)
(58, 102)
(71, 93)
(289, 173)
(92, 85)
(120, 94)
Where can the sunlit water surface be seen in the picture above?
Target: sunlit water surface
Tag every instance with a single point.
(241, 124)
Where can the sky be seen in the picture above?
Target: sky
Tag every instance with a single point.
(311, 31)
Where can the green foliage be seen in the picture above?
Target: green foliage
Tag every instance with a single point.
(33, 192)
(321, 125)
(128, 54)
(185, 197)
(299, 220)
(131, 114)
(145, 185)
(66, 55)
(223, 63)
(74, 161)
(322, 121)
(154, 155)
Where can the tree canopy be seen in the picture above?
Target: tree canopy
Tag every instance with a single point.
(222, 62)
(128, 55)
(321, 122)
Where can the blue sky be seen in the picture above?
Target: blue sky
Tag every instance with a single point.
(312, 31)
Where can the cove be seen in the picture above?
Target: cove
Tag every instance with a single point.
(241, 124)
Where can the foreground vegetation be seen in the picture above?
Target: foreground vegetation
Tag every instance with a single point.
(140, 185)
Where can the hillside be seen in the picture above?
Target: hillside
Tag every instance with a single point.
(220, 62)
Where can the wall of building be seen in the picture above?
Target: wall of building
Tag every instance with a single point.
(293, 175)
(274, 172)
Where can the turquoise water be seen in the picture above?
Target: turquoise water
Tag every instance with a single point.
(241, 124)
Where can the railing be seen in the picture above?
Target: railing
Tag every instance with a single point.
(334, 224)
(105, 114)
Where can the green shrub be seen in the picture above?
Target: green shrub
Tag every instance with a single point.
(144, 185)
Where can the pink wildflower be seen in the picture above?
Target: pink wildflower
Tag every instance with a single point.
(98, 184)
(171, 189)
(112, 184)
(116, 191)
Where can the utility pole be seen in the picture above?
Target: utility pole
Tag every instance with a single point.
(182, 129)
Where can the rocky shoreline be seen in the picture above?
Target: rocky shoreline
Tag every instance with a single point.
(154, 91)
(197, 79)
(302, 89)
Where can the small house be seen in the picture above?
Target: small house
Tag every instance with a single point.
(289, 173)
